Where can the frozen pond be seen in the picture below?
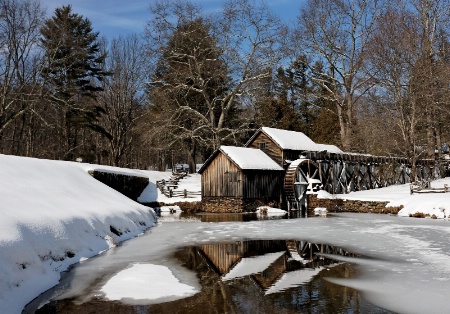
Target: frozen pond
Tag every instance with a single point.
(396, 264)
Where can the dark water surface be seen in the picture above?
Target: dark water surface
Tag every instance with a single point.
(227, 217)
(226, 290)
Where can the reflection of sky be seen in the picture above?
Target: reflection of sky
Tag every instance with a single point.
(116, 17)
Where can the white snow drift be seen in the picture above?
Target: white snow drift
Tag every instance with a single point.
(53, 214)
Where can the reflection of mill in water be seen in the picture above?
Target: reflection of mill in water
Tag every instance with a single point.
(274, 265)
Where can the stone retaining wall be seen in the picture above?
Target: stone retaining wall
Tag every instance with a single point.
(232, 205)
(128, 185)
(355, 206)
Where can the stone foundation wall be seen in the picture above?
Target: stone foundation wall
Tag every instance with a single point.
(355, 206)
(233, 205)
(130, 186)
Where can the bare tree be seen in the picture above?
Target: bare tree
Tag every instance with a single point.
(123, 97)
(210, 70)
(20, 22)
(412, 74)
(336, 33)
(252, 42)
(432, 68)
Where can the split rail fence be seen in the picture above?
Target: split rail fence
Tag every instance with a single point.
(170, 187)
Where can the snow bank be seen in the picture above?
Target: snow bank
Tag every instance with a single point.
(320, 211)
(430, 204)
(54, 214)
(190, 183)
(270, 211)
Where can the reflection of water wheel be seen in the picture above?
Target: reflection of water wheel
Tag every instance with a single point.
(299, 175)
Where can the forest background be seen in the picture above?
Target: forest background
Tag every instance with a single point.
(368, 76)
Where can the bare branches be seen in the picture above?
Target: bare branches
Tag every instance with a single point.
(206, 72)
(19, 58)
(335, 33)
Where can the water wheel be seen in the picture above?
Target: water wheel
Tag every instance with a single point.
(300, 174)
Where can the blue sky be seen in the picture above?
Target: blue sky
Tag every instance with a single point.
(120, 17)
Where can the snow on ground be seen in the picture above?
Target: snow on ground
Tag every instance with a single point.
(133, 283)
(320, 211)
(270, 211)
(428, 203)
(190, 183)
(54, 214)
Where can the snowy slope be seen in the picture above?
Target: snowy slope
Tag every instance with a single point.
(53, 214)
(427, 203)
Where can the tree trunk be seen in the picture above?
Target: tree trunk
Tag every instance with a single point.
(191, 157)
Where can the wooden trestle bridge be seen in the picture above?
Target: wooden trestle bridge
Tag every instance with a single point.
(346, 172)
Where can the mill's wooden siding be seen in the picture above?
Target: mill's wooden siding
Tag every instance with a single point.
(271, 149)
(222, 178)
(264, 185)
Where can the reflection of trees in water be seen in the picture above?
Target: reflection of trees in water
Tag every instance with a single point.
(247, 294)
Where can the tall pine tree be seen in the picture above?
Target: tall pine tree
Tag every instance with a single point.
(73, 73)
(186, 91)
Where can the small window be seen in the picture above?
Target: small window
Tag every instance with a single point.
(233, 176)
(262, 145)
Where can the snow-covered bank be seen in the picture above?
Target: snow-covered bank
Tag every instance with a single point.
(430, 204)
(54, 214)
(406, 269)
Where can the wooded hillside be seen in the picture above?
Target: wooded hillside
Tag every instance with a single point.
(368, 76)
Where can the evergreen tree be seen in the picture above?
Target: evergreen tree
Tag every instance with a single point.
(325, 121)
(186, 90)
(286, 104)
(73, 73)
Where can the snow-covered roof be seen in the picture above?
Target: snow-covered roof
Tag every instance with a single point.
(290, 139)
(250, 158)
(330, 148)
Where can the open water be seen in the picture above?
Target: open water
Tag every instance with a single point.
(348, 263)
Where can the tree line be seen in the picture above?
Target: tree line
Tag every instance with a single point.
(371, 76)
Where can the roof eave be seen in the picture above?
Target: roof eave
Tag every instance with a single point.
(208, 161)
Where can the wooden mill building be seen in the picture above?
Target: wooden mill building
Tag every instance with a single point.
(236, 179)
(278, 168)
(284, 146)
